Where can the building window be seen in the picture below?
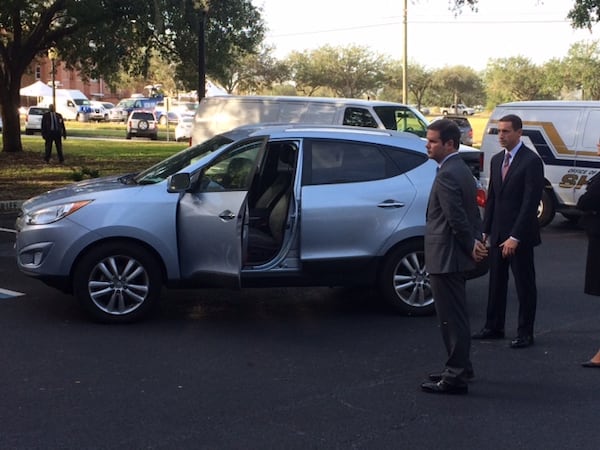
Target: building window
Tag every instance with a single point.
(38, 73)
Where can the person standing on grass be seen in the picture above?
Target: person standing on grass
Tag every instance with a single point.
(53, 131)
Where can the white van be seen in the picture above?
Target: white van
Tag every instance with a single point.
(564, 134)
(72, 104)
(223, 113)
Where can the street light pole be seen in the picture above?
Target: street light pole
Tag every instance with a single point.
(52, 54)
(405, 57)
(202, 53)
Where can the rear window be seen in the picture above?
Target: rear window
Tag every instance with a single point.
(143, 116)
(37, 111)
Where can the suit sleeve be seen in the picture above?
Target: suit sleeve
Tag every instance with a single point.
(454, 209)
(532, 195)
(590, 200)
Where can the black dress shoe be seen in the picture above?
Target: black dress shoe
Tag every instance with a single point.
(442, 387)
(521, 342)
(486, 333)
(591, 364)
(437, 376)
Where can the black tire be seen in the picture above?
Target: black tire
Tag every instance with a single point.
(143, 125)
(154, 137)
(404, 281)
(128, 136)
(117, 282)
(28, 132)
(573, 218)
(546, 209)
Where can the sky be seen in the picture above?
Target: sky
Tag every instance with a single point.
(536, 29)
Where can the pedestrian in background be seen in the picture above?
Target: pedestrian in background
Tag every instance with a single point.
(589, 202)
(510, 224)
(453, 244)
(53, 130)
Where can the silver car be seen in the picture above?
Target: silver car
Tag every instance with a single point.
(254, 207)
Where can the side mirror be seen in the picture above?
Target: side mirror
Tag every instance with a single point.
(179, 182)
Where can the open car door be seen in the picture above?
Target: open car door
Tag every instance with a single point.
(212, 217)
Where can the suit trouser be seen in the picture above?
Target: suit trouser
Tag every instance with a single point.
(451, 306)
(523, 269)
(56, 139)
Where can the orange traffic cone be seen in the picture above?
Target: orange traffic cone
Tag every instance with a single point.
(594, 362)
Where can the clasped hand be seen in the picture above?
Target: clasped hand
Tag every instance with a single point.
(480, 251)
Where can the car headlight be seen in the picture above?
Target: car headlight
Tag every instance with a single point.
(54, 213)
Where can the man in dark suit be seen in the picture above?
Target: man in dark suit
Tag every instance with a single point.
(53, 130)
(453, 243)
(510, 223)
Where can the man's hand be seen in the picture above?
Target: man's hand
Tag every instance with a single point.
(509, 247)
(480, 251)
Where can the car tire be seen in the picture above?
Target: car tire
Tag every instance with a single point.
(546, 209)
(28, 132)
(128, 136)
(118, 282)
(154, 137)
(404, 281)
(143, 125)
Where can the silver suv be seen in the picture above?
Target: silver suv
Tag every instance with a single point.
(142, 124)
(33, 119)
(253, 207)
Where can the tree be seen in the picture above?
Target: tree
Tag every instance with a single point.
(583, 63)
(457, 84)
(103, 38)
(351, 72)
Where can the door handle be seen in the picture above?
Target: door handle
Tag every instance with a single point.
(227, 215)
(389, 203)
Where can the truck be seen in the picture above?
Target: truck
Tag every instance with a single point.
(458, 109)
(72, 104)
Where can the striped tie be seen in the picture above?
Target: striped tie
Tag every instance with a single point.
(505, 165)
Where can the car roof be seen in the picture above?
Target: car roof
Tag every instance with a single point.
(303, 130)
(298, 99)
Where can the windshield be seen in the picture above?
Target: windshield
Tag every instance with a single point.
(81, 101)
(178, 161)
(401, 118)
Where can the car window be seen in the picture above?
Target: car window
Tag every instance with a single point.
(359, 117)
(232, 171)
(405, 160)
(143, 116)
(37, 111)
(401, 119)
(330, 161)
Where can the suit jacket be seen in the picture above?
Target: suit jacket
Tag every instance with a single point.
(453, 220)
(589, 202)
(47, 125)
(512, 204)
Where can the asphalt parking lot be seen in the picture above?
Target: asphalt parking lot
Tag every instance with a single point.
(294, 368)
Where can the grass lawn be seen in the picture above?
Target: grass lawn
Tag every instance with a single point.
(25, 174)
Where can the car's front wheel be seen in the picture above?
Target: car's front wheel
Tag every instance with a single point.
(404, 281)
(118, 282)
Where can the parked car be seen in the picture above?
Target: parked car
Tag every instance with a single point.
(458, 109)
(183, 129)
(142, 124)
(122, 110)
(98, 111)
(33, 119)
(466, 130)
(253, 207)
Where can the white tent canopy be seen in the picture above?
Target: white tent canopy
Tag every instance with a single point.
(37, 89)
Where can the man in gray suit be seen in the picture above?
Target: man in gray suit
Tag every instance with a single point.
(453, 244)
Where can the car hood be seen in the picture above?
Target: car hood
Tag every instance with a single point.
(78, 189)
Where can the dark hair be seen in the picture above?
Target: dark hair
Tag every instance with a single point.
(448, 130)
(516, 122)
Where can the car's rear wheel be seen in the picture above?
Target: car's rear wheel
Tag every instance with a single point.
(118, 282)
(128, 136)
(546, 210)
(404, 281)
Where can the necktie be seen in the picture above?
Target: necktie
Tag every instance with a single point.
(54, 126)
(505, 165)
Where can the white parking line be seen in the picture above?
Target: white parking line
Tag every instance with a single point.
(5, 293)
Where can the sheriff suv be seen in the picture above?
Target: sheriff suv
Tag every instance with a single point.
(142, 124)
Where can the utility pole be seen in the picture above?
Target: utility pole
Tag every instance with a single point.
(405, 56)
(202, 53)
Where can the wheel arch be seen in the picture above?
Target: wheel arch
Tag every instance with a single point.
(123, 241)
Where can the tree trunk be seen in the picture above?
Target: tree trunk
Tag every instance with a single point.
(11, 124)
